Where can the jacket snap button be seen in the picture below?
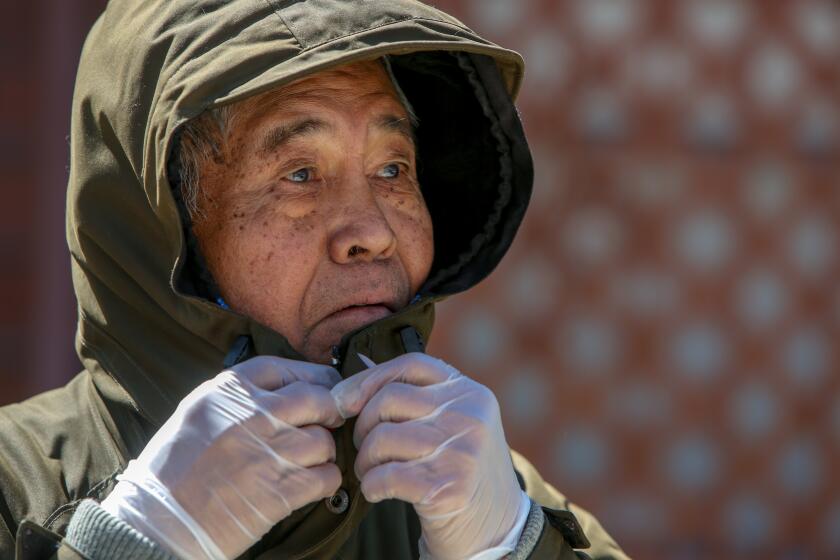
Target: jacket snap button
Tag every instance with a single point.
(338, 502)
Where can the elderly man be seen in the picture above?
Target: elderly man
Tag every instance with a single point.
(280, 192)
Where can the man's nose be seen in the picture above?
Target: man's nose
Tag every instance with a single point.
(362, 232)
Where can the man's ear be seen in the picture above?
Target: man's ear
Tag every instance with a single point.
(195, 277)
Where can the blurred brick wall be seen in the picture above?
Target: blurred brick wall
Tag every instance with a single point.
(40, 42)
(662, 335)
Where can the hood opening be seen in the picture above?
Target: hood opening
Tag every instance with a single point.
(195, 278)
(466, 170)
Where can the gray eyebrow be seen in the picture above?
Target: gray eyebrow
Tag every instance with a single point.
(394, 123)
(281, 135)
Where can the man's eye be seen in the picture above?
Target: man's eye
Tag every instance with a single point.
(300, 176)
(390, 171)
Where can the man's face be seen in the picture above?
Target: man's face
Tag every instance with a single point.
(313, 221)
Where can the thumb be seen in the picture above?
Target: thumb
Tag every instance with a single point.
(347, 393)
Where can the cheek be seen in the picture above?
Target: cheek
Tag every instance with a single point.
(287, 204)
(249, 258)
(413, 226)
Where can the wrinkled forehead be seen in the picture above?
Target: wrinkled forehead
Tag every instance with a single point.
(365, 80)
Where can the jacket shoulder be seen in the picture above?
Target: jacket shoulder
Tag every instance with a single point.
(55, 449)
(602, 545)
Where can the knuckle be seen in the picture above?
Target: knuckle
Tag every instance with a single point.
(413, 357)
(302, 395)
(392, 393)
(465, 456)
(389, 476)
(257, 362)
(382, 433)
(413, 360)
(295, 388)
(320, 434)
(328, 480)
(426, 361)
(246, 368)
(306, 398)
(325, 444)
(377, 442)
(275, 403)
(311, 447)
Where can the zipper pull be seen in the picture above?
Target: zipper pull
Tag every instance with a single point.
(336, 360)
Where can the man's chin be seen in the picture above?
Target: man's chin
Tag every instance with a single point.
(329, 330)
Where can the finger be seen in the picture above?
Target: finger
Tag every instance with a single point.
(271, 373)
(405, 481)
(395, 402)
(306, 447)
(309, 485)
(328, 477)
(353, 393)
(301, 403)
(397, 442)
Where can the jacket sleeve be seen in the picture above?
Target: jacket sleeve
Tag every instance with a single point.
(567, 527)
(93, 534)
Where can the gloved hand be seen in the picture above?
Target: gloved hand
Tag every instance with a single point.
(433, 437)
(241, 452)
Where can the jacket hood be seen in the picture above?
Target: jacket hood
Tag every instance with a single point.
(150, 66)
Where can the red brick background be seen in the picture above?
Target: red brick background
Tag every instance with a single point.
(662, 336)
(40, 42)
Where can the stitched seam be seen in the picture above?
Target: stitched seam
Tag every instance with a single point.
(59, 512)
(276, 9)
(94, 492)
(365, 30)
(410, 18)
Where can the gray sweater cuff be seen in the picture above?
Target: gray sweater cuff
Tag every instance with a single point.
(530, 534)
(98, 535)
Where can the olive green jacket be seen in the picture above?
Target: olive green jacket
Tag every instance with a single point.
(148, 330)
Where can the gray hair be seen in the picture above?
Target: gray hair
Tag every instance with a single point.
(204, 139)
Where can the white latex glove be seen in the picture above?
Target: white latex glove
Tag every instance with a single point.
(240, 453)
(430, 436)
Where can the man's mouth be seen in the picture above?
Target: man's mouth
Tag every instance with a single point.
(362, 313)
(359, 306)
